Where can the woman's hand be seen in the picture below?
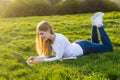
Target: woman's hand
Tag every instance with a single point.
(32, 59)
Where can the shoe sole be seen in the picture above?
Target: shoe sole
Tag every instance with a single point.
(96, 15)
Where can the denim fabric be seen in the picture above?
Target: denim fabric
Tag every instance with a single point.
(94, 46)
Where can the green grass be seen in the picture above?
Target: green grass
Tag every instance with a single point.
(18, 35)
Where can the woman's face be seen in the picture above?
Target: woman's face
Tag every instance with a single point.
(45, 34)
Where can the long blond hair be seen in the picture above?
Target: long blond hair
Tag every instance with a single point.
(43, 47)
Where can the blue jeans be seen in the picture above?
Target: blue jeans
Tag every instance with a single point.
(94, 46)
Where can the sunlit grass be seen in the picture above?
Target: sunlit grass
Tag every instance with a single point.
(18, 34)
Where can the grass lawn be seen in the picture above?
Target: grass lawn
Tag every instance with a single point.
(18, 35)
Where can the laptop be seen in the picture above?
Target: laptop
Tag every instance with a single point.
(20, 58)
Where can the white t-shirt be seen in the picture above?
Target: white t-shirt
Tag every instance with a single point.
(64, 49)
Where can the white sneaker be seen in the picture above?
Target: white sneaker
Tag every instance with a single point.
(96, 19)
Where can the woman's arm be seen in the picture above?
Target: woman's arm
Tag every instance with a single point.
(48, 59)
(41, 59)
(54, 59)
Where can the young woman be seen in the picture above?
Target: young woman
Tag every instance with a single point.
(48, 42)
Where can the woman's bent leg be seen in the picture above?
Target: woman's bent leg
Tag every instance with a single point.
(105, 39)
(95, 47)
(94, 35)
(90, 47)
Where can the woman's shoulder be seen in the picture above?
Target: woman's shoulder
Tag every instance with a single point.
(60, 39)
(58, 35)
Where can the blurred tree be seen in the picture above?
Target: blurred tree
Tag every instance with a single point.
(53, 2)
(4, 4)
(28, 8)
(67, 7)
(97, 5)
(49, 7)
